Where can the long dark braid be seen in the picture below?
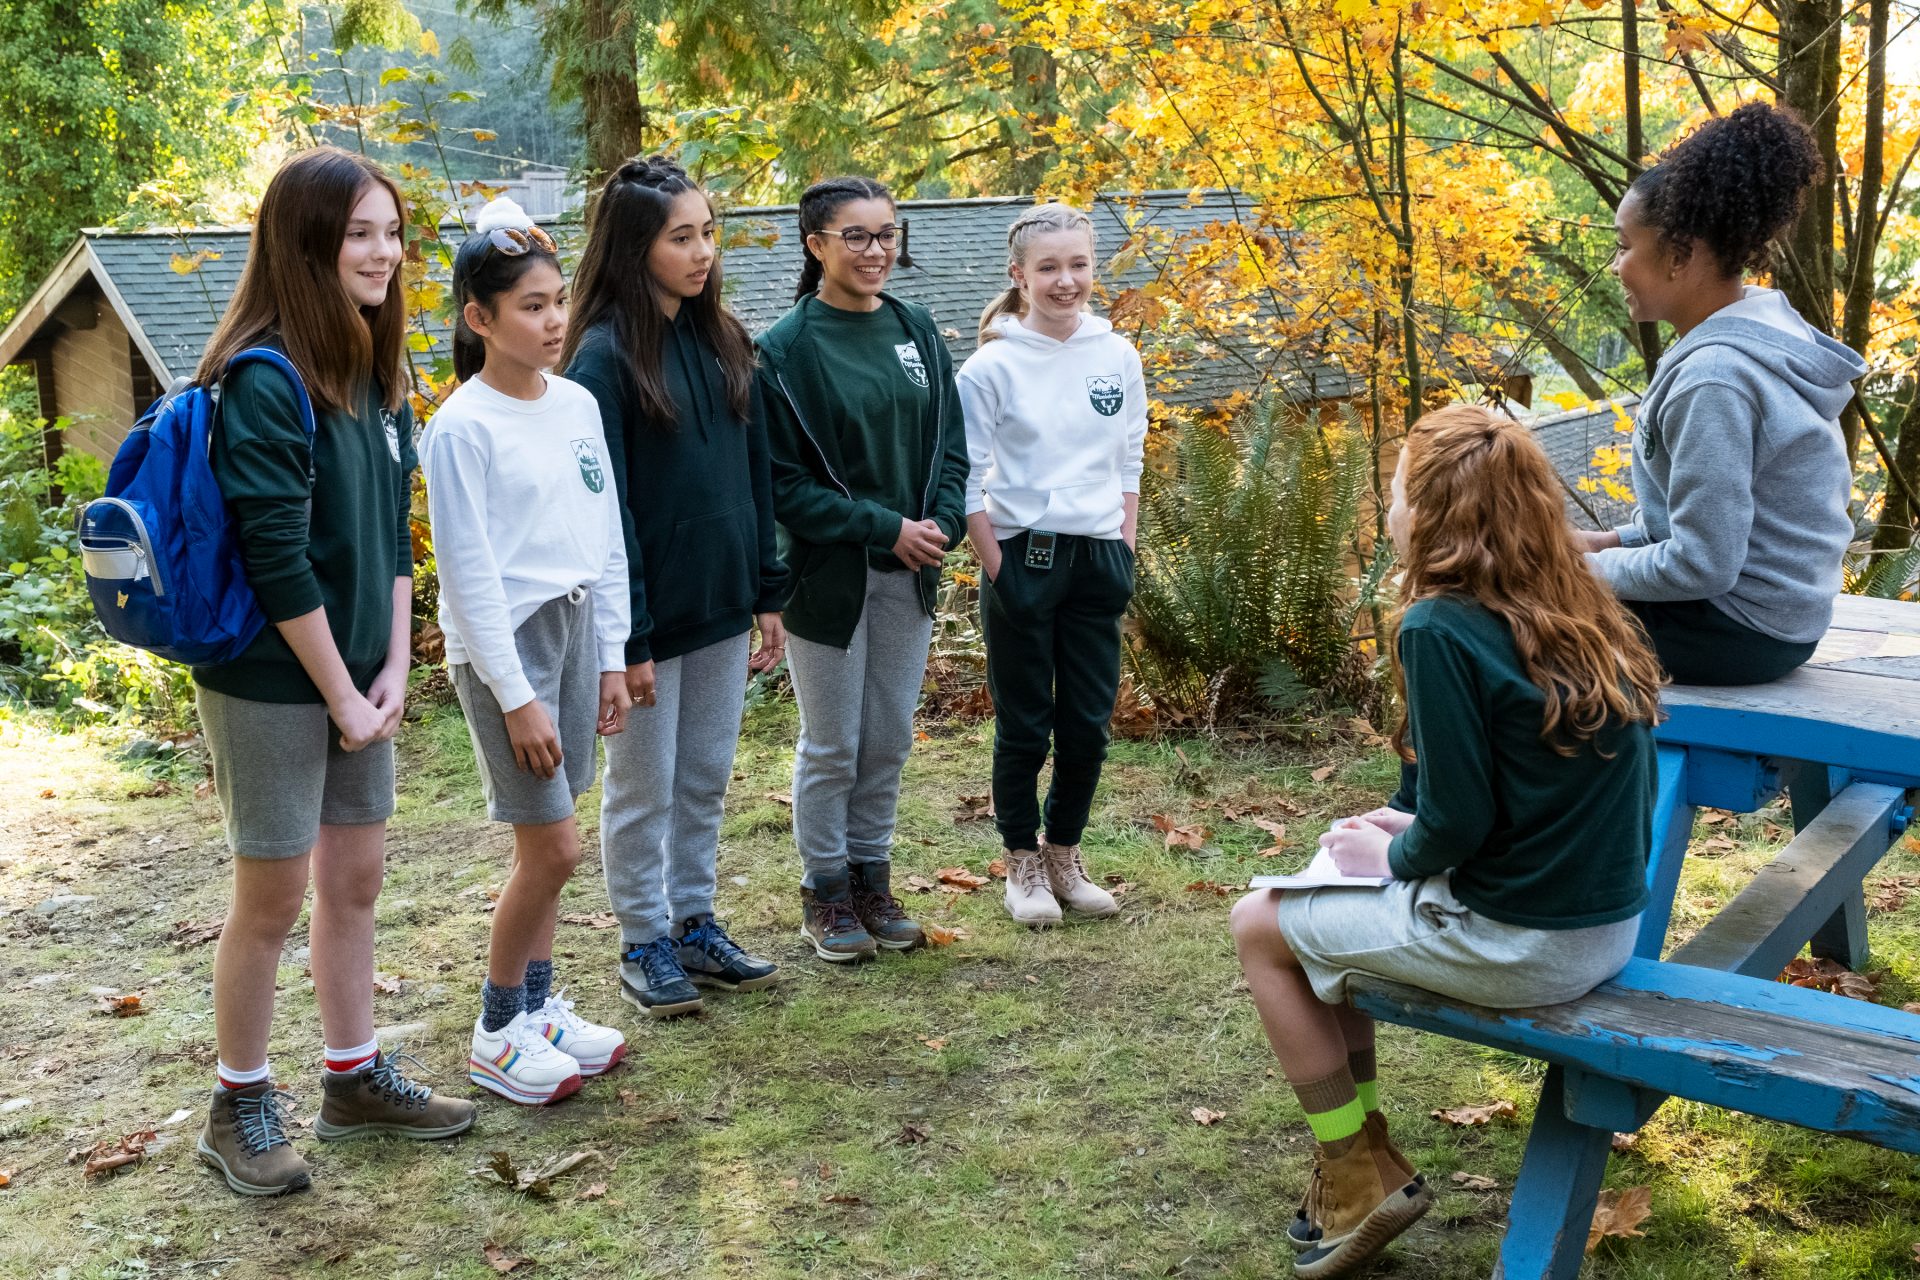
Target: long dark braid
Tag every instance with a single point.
(817, 206)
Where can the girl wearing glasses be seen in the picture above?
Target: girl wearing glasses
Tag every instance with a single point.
(869, 477)
(672, 370)
(533, 601)
(1056, 422)
(301, 725)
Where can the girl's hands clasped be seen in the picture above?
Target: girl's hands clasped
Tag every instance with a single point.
(1359, 848)
(773, 642)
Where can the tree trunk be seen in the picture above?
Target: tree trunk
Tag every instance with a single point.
(1895, 530)
(1809, 79)
(615, 118)
(1636, 149)
(1540, 325)
(1856, 324)
(1036, 96)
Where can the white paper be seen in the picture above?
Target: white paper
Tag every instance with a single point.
(1321, 873)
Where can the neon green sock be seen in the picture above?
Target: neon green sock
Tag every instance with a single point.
(1332, 1105)
(1341, 1122)
(1369, 1092)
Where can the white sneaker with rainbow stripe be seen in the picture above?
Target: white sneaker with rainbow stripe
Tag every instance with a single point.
(594, 1047)
(520, 1064)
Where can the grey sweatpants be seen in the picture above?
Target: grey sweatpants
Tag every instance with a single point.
(665, 786)
(856, 727)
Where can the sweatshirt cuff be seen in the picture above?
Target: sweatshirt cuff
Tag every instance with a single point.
(774, 601)
(1632, 535)
(294, 596)
(639, 649)
(613, 657)
(511, 691)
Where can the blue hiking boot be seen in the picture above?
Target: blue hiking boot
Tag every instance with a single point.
(652, 980)
(712, 959)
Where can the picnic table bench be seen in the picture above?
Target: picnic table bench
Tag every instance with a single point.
(1709, 1022)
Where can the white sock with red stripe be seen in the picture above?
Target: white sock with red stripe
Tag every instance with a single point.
(228, 1078)
(341, 1061)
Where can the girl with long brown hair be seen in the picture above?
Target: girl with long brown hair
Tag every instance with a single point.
(301, 725)
(1520, 874)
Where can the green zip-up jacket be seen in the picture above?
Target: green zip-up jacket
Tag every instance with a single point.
(695, 497)
(832, 525)
(1532, 838)
(343, 555)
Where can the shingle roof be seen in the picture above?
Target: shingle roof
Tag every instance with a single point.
(1570, 441)
(958, 250)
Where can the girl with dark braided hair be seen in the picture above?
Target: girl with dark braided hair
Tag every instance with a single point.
(1733, 556)
(869, 482)
(672, 370)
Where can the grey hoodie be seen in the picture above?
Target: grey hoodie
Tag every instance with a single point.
(1739, 473)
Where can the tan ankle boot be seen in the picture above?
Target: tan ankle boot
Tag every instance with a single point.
(1376, 1131)
(1029, 898)
(1354, 1212)
(1067, 874)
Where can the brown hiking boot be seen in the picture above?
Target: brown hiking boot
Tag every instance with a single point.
(1302, 1234)
(378, 1099)
(245, 1138)
(828, 921)
(886, 921)
(1353, 1210)
(1067, 874)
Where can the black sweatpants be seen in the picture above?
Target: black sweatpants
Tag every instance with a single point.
(1053, 668)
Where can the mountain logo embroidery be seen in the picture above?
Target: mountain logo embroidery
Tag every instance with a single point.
(1107, 392)
(392, 425)
(121, 599)
(589, 459)
(911, 362)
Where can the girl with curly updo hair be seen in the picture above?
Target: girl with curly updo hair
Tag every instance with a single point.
(1732, 558)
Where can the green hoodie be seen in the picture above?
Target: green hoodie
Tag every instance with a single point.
(838, 491)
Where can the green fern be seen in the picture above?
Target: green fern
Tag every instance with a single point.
(1245, 568)
(1885, 575)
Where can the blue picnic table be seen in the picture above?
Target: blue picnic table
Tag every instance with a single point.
(1708, 1021)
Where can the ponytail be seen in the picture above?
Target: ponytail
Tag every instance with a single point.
(504, 244)
(817, 207)
(1039, 220)
(469, 353)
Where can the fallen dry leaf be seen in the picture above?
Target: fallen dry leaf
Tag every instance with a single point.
(1473, 1181)
(1193, 836)
(935, 1043)
(1714, 817)
(1619, 1213)
(841, 1197)
(1206, 1118)
(974, 809)
(780, 797)
(194, 933)
(6, 1177)
(1910, 1008)
(593, 1191)
(105, 1156)
(1719, 844)
(919, 884)
(941, 936)
(1821, 974)
(388, 984)
(592, 920)
(204, 790)
(1324, 772)
(997, 868)
(46, 793)
(127, 1006)
(910, 1135)
(1625, 1141)
(1890, 893)
(960, 878)
(628, 1097)
(500, 1260)
(1033, 981)
(791, 1184)
(1460, 1117)
(536, 1182)
(1213, 887)
(1277, 830)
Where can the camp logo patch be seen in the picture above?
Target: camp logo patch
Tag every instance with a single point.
(588, 457)
(1107, 393)
(911, 362)
(391, 424)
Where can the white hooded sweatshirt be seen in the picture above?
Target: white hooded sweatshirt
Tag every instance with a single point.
(1055, 430)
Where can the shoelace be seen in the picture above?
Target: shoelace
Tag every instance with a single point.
(387, 1078)
(1067, 863)
(1031, 874)
(560, 1009)
(837, 917)
(882, 906)
(711, 937)
(262, 1121)
(657, 961)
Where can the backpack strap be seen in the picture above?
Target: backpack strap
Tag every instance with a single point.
(267, 355)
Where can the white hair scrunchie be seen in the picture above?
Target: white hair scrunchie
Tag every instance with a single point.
(503, 213)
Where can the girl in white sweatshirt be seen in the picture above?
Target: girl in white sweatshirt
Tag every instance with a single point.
(533, 601)
(1056, 411)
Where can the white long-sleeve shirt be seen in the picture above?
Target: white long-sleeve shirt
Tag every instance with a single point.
(524, 510)
(1055, 430)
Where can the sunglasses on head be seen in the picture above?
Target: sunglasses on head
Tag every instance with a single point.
(516, 241)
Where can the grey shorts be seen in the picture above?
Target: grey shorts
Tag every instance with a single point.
(561, 661)
(281, 775)
(1417, 932)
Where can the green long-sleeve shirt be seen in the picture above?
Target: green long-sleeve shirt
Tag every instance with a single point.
(344, 555)
(1533, 838)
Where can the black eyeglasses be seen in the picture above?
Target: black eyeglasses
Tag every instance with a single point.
(858, 238)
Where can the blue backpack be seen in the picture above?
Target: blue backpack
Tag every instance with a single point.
(159, 553)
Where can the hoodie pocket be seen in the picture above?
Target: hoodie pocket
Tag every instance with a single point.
(1083, 508)
(708, 571)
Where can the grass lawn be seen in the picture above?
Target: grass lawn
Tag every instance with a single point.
(1014, 1104)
